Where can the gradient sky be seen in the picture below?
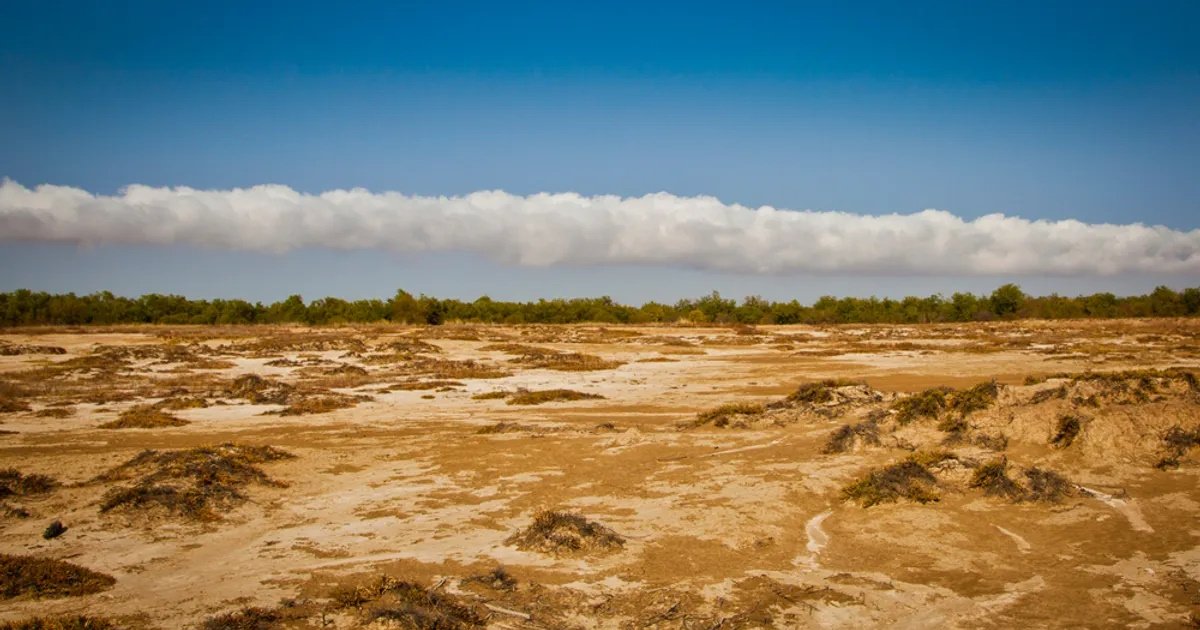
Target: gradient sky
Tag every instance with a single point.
(1035, 109)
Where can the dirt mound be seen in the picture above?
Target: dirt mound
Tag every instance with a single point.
(560, 533)
(193, 483)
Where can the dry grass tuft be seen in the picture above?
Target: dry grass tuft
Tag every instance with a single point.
(976, 398)
(46, 578)
(496, 395)
(565, 533)
(193, 483)
(539, 396)
(144, 417)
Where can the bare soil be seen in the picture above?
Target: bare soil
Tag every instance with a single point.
(1051, 478)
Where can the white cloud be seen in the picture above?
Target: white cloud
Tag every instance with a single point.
(549, 229)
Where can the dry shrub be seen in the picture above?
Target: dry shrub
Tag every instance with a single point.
(43, 577)
(927, 404)
(68, 622)
(1066, 430)
(407, 604)
(729, 414)
(844, 438)
(973, 399)
(1176, 442)
(1047, 486)
(909, 479)
(819, 392)
(54, 530)
(565, 533)
(11, 396)
(15, 483)
(993, 479)
(537, 397)
(259, 391)
(496, 395)
(144, 417)
(194, 483)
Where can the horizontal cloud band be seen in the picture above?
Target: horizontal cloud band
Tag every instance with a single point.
(548, 229)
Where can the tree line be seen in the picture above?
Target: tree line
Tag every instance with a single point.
(27, 308)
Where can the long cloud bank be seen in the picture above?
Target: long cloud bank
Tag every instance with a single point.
(548, 229)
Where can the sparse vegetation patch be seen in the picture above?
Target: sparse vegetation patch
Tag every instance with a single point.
(408, 605)
(1066, 430)
(993, 479)
(865, 433)
(144, 417)
(192, 483)
(910, 479)
(46, 578)
(540, 396)
(69, 622)
(727, 415)
(927, 404)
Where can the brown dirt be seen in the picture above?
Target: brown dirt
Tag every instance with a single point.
(741, 525)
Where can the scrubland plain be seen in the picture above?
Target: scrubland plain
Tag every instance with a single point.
(1005, 474)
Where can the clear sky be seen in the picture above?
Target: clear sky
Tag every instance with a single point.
(1042, 110)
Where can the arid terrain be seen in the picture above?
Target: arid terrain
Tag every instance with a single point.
(1016, 474)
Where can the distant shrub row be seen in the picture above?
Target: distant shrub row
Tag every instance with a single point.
(24, 307)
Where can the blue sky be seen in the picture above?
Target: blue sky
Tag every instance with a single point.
(1037, 109)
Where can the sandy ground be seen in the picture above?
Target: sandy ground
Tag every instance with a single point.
(740, 526)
